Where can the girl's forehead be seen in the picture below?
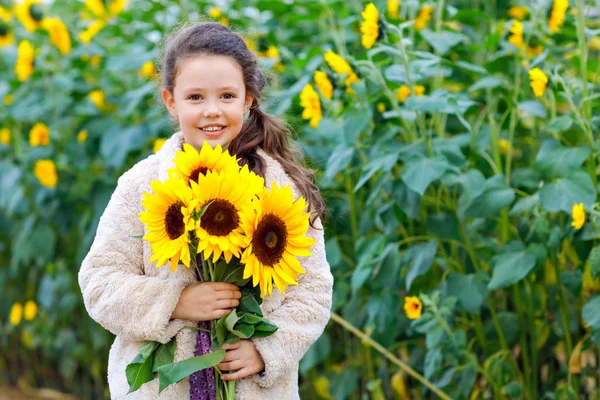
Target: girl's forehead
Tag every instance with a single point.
(209, 72)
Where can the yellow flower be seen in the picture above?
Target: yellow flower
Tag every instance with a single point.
(117, 6)
(419, 90)
(30, 13)
(321, 384)
(5, 14)
(341, 66)
(96, 7)
(45, 172)
(97, 97)
(516, 39)
(91, 31)
(39, 135)
(95, 60)
(189, 163)
(578, 215)
(312, 105)
(381, 107)
(423, 17)
(224, 21)
(24, 65)
(9, 99)
(158, 144)
(324, 84)
(219, 230)
(393, 8)
(518, 12)
(533, 51)
(167, 217)
(272, 52)
(6, 36)
(539, 80)
(413, 307)
(30, 310)
(250, 44)
(398, 382)
(148, 69)
(370, 26)
(337, 63)
(5, 136)
(82, 136)
(504, 146)
(557, 16)
(275, 229)
(214, 12)
(59, 35)
(402, 93)
(16, 314)
(594, 43)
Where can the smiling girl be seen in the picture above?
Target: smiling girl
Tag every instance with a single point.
(212, 86)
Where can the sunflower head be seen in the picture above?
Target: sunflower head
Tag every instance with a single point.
(190, 164)
(275, 227)
(168, 220)
(224, 195)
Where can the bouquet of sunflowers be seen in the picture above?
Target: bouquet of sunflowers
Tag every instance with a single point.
(220, 219)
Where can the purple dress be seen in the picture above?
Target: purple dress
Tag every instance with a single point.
(202, 383)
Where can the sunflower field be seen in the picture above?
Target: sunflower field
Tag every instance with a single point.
(455, 143)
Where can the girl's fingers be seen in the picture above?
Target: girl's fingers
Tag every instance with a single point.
(227, 303)
(231, 366)
(230, 346)
(228, 294)
(242, 373)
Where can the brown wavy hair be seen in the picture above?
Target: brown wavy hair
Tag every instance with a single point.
(260, 128)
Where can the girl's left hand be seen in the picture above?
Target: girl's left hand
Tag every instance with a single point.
(241, 357)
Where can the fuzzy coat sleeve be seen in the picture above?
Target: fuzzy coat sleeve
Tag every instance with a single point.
(305, 308)
(116, 292)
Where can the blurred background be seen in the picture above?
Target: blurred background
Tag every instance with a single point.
(455, 144)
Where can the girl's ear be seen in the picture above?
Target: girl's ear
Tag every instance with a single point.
(169, 101)
(248, 102)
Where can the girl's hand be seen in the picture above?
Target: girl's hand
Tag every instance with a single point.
(241, 357)
(206, 301)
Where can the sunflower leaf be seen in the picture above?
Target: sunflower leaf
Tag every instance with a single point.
(139, 373)
(248, 303)
(175, 372)
(164, 354)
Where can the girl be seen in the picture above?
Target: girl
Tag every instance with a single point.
(210, 81)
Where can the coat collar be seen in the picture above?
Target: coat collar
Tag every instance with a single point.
(167, 154)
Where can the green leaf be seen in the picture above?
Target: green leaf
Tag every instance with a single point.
(175, 372)
(433, 362)
(487, 82)
(419, 174)
(248, 303)
(232, 272)
(563, 193)
(339, 160)
(555, 161)
(510, 268)
(164, 354)
(316, 354)
(470, 290)
(595, 261)
(470, 67)
(139, 373)
(572, 280)
(148, 349)
(442, 41)
(117, 143)
(591, 313)
(243, 331)
(221, 329)
(265, 326)
(231, 320)
(497, 196)
(380, 164)
(533, 107)
(559, 124)
(422, 257)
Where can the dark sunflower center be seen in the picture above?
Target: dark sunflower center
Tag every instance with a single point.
(269, 240)
(36, 12)
(3, 30)
(174, 221)
(220, 218)
(195, 173)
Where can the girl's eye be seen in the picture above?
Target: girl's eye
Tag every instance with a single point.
(194, 97)
(229, 96)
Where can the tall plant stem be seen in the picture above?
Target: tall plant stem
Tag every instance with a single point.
(352, 203)
(523, 337)
(368, 341)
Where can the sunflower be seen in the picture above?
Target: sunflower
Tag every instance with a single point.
(6, 35)
(219, 229)
(168, 220)
(275, 230)
(189, 163)
(31, 14)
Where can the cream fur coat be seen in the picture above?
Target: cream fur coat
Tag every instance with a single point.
(134, 300)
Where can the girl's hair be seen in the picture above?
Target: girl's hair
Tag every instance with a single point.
(260, 129)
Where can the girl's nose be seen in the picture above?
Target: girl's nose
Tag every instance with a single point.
(211, 110)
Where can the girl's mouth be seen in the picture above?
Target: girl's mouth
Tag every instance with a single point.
(213, 132)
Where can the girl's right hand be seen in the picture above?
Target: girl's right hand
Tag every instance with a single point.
(207, 301)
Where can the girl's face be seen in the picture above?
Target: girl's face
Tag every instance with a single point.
(209, 100)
